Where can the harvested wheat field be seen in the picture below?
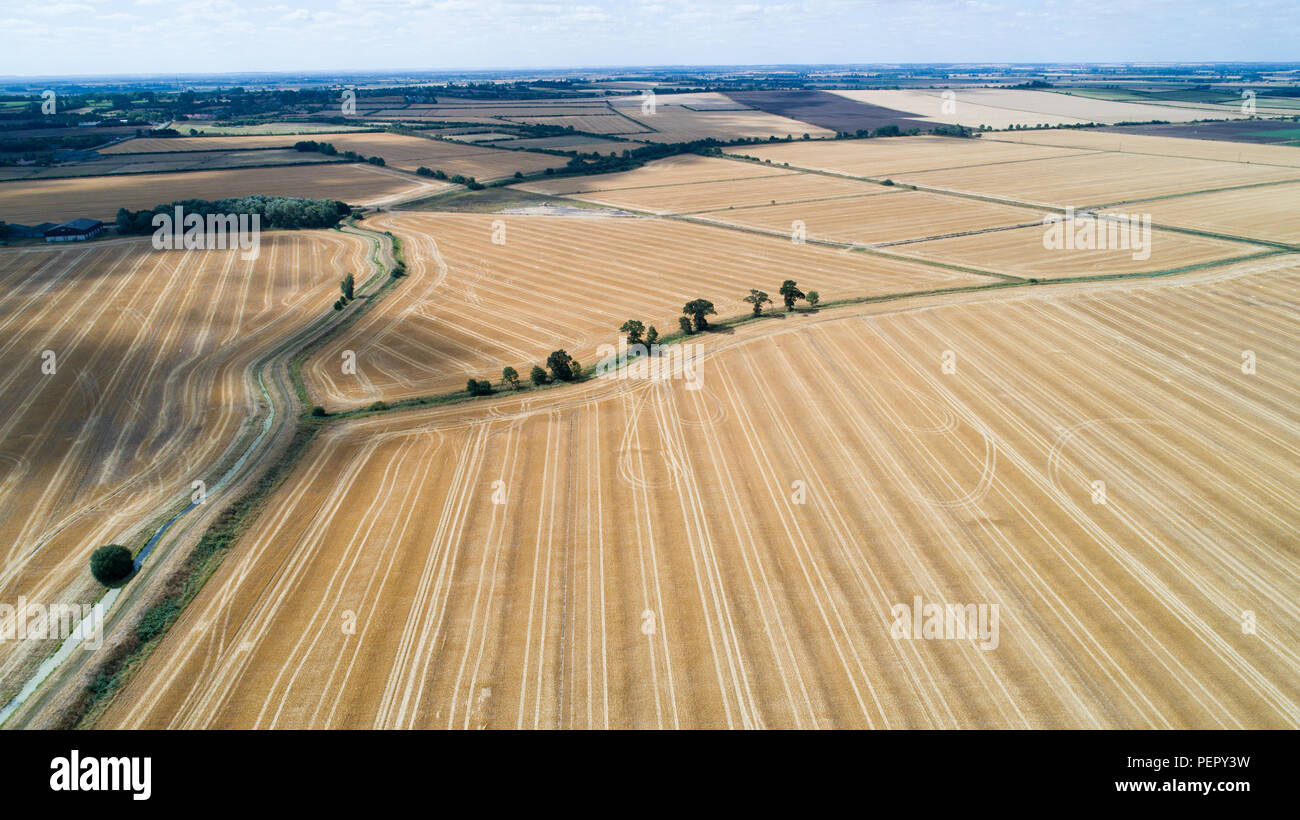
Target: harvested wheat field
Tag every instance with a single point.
(1022, 252)
(150, 390)
(674, 123)
(883, 157)
(1005, 107)
(1099, 179)
(56, 200)
(164, 162)
(693, 197)
(600, 121)
(873, 219)
(150, 145)
(679, 170)
(1089, 139)
(636, 554)
(1269, 212)
(471, 307)
(411, 153)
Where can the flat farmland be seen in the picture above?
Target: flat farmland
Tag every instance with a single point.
(672, 123)
(574, 142)
(410, 153)
(56, 200)
(310, 130)
(1092, 139)
(1271, 212)
(634, 554)
(883, 157)
(1021, 252)
(735, 193)
(1003, 108)
(602, 122)
(678, 170)
(873, 219)
(1098, 179)
(152, 145)
(150, 390)
(471, 307)
(163, 162)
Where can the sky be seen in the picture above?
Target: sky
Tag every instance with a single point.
(78, 37)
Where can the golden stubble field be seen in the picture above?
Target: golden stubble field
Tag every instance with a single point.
(1022, 251)
(471, 306)
(1268, 212)
(1104, 178)
(56, 200)
(411, 153)
(148, 390)
(1093, 460)
(683, 169)
(904, 215)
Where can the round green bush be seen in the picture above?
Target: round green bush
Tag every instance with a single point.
(111, 564)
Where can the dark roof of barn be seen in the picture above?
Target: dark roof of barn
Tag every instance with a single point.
(81, 224)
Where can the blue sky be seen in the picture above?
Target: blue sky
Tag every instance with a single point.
(165, 36)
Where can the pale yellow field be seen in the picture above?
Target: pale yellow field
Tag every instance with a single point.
(1271, 212)
(1003, 108)
(873, 219)
(675, 123)
(143, 145)
(307, 130)
(635, 554)
(883, 157)
(55, 200)
(471, 307)
(678, 170)
(605, 122)
(1021, 252)
(1098, 179)
(706, 196)
(149, 390)
(1085, 139)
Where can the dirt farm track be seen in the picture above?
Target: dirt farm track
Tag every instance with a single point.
(637, 554)
(148, 390)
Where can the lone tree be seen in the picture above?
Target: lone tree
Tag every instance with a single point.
(561, 365)
(635, 329)
(511, 377)
(111, 564)
(789, 293)
(697, 309)
(652, 337)
(538, 376)
(757, 298)
(813, 298)
(347, 286)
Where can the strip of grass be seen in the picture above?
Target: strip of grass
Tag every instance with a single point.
(182, 586)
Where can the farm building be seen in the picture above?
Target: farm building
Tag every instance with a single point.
(75, 230)
(30, 231)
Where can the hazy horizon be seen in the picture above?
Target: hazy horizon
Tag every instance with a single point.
(148, 37)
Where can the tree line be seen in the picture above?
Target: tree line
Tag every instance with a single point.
(275, 212)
